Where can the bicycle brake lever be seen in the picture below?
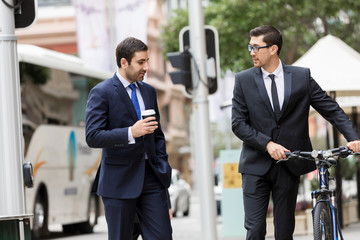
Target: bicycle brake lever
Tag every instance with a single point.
(289, 156)
(282, 160)
(345, 152)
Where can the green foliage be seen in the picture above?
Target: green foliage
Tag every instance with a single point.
(38, 75)
(170, 33)
(302, 23)
(314, 184)
(348, 168)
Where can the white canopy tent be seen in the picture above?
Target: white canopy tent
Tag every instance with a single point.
(336, 67)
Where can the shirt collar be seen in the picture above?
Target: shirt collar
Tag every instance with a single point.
(278, 71)
(124, 82)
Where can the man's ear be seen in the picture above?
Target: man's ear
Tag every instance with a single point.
(274, 49)
(124, 62)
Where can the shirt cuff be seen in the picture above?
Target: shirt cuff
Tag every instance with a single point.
(131, 139)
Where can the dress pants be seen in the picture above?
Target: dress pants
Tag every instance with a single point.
(151, 207)
(283, 186)
(137, 229)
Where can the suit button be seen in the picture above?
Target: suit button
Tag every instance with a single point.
(278, 126)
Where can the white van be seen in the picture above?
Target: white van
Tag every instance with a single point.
(64, 166)
(64, 169)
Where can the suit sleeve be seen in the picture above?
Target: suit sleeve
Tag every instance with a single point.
(97, 114)
(330, 110)
(241, 125)
(159, 135)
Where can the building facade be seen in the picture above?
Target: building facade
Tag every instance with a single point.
(55, 29)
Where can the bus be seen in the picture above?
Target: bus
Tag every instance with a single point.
(54, 89)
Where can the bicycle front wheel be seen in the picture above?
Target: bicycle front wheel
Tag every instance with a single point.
(323, 227)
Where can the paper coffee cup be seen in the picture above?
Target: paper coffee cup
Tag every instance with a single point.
(148, 113)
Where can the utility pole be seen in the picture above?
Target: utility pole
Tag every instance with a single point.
(14, 222)
(204, 152)
(112, 35)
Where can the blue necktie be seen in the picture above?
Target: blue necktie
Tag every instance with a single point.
(135, 100)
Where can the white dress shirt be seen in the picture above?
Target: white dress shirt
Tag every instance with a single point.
(126, 85)
(279, 80)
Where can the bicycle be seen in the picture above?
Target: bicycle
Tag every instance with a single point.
(324, 212)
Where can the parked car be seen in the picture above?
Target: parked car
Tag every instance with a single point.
(179, 191)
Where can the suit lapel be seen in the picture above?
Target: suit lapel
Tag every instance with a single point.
(263, 93)
(287, 89)
(144, 94)
(124, 96)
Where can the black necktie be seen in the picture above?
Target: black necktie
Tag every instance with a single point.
(274, 96)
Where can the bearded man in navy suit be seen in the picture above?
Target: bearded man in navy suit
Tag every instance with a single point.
(134, 173)
(270, 113)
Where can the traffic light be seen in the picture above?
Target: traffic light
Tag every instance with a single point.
(212, 52)
(182, 61)
(25, 12)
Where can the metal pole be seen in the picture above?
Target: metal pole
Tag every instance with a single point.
(169, 9)
(12, 200)
(338, 177)
(354, 114)
(112, 33)
(204, 152)
(12, 197)
(14, 222)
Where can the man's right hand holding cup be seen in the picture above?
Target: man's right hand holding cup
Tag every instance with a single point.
(147, 125)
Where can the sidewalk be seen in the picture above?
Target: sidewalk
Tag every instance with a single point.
(189, 228)
(350, 232)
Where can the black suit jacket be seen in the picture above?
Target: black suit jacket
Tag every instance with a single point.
(254, 121)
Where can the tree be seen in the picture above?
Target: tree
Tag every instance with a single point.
(302, 23)
(170, 33)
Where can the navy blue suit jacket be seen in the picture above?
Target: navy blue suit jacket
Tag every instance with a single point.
(109, 114)
(254, 121)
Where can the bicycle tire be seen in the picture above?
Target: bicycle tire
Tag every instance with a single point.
(323, 227)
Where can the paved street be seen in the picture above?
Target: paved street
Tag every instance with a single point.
(187, 228)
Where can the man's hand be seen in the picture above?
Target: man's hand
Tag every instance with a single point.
(144, 126)
(170, 213)
(276, 151)
(354, 145)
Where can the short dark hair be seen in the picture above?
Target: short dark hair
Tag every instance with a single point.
(271, 35)
(127, 48)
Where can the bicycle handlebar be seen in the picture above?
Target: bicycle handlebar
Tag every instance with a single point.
(318, 154)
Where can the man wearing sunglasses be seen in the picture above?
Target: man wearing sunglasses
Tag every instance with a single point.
(270, 113)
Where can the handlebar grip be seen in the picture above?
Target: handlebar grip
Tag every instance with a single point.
(288, 155)
(344, 152)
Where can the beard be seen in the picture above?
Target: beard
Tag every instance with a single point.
(135, 76)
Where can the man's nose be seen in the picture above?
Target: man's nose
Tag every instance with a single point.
(146, 66)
